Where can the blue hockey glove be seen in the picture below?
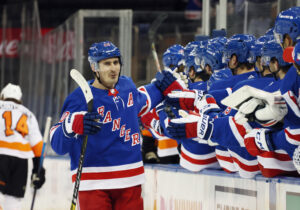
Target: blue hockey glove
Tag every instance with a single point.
(166, 82)
(81, 123)
(191, 126)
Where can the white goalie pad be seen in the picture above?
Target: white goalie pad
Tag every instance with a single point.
(245, 93)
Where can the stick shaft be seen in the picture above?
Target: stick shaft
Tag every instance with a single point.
(43, 154)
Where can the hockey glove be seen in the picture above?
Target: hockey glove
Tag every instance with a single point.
(207, 105)
(166, 82)
(151, 122)
(37, 177)
(246, 110)
(181, 76)
(81, 123)
(185, 99)
(272, 113)
(258, 141)
(192, 126)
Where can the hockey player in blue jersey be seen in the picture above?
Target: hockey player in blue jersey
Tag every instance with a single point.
(112, 171)
(197, 156)
(236, 54)
(173, 59)
(287, 31)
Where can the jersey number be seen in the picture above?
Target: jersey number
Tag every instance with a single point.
(21, 126)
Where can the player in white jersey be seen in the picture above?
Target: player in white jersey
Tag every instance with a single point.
(20, 139)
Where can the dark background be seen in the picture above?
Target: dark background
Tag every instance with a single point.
(55, 12)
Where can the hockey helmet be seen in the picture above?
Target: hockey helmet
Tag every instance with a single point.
(272, 49)
(238, 45)
(213, 57)
(11, 91)
(288, 22)
(256, 48)
(102, 50)
(174, 56)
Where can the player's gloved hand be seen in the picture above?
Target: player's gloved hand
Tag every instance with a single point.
(166, 82)
(191, 126)
(37, 179)
(182, 76)
(246, 110)
(81, 123)
(184, 99)
(258, 141)
(151, 122)
(272, 113)
(206, 105)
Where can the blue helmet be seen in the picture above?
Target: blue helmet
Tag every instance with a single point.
(270, 31)
(288, 22)
(212, 56)
(244, 37)
(191, 46)
(221, 40)
(255, 49)
(238, 45)
(174, 55)
(272, 49)
(193, 59)
(102, 50)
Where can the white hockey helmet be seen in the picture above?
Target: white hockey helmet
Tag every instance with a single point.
(11, 91)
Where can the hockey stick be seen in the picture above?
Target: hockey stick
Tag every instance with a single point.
(43, 154)
(152, 31)
(79, 79)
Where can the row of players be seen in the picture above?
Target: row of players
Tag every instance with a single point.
(260, 135)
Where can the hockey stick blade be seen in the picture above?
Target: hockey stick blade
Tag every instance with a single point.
(84, 86)
(87, 92)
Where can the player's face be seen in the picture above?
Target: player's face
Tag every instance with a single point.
(191, 73)
(273, 66)
(208, 69)
(287, 41)
(232, 64)
(109, 71)
(258, 64)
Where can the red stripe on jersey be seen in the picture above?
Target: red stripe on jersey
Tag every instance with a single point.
(293, 98)
(295, 137)
(240, 128)
(224, 158)
(267, 172)
(197, 161)
(110, 174)
(249, 168)
(275, 155)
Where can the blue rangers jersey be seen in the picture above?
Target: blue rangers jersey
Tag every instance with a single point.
(288, 138)
(231, 152)
(201, 85)
(113, 155)
(231, 81)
